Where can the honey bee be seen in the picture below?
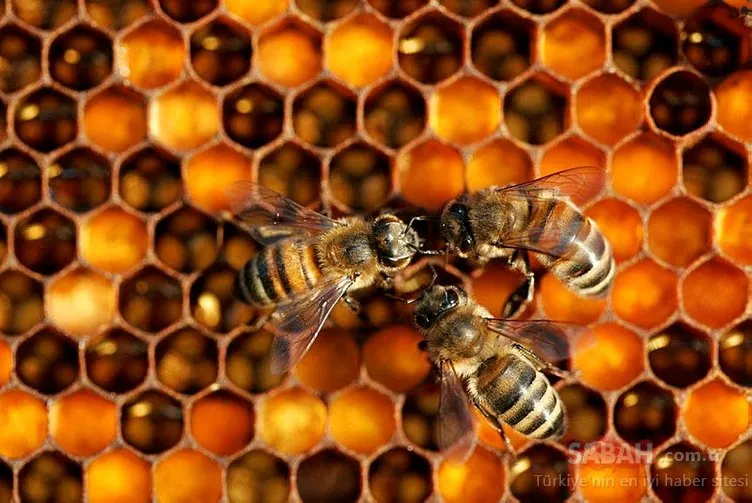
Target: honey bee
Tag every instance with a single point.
(540, 216)
(497, 359)
(310, 262)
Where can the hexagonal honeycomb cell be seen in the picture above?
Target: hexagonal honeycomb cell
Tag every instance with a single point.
(130, 373)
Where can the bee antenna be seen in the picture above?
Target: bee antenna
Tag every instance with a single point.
(419, 218)
(401, 299)
(422, 251)
(434, 276)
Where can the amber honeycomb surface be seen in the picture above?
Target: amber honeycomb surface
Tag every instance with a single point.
(127, 370)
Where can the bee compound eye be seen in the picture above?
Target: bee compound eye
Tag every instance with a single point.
(422, 320)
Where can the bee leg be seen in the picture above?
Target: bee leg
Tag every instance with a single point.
(523, 295)
(497, 426)
(541, 365)
(352, 304)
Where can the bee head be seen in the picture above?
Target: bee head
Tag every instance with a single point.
(394, 242)
(455, 228)
(435, 303)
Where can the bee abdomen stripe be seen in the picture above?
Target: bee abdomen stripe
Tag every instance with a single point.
(264, 271)
(309, 280)
(527, 401)
(243, 287)
(514, 378)
(279, 263)
(538, 417)
(554, 421)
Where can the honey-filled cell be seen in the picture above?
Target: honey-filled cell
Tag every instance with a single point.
(80, 302)
(499, 163)
(679, 231)
(645, 44)
(213, 304)
(149, 180)
(400, 475)
(324, 115)
(248, 362)
(116, 15)
(238, 247)
(360, 177)
(46, 119)
(431, 174)
(21, 54)
(186, 361)
(471, 481)
(45, 242)
(51, 476)
(733, 229)
(574, 44)
(501, 46)
(612, 471)
(184, 117)
(610, 6)
(151, 55)
(151, 300)
(327, 10)
(715, 293)
(221, 51)
(540, 473)
(608, 357)
(187, 475)
(465, 111)
(186, 240)
(679, 355)
(430, 48)
(735, 354)
(329, 475)
(116, 361)
(119, 476)
(394, 114)
(255, 12)
(645, 294)
(80, 58)
(20, 181)
(332, 362)
(392, 358)
(621, 224)
(290, 54)
(292, 421)
(292, 171)
(258, 476)
(23, 423)
(47, 361)
(209, 174)
(152, 422)
(715, 169)
(680, 462)
(608, 108)
(359, 51)
(6, 362)
(539, 6)
(115, 135)
(535, 111)
(562, 304)
(493, 286)
(571, 152)
(716, 414)
(83, 423)
(680, 103)
(645, 415)
(645, 168)
(114, 240)
(734, 110)
(361, 419)
(222, 422)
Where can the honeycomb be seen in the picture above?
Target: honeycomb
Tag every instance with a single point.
(128, 372)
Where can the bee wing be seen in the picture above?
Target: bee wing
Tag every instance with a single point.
(456, 422)
(553, 235)
(298, 322)
(578, 184)
(272, 216)
(551, 341)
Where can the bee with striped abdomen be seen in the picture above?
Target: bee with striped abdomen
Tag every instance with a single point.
(542, 217)
(499, 362)
(310, 262)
